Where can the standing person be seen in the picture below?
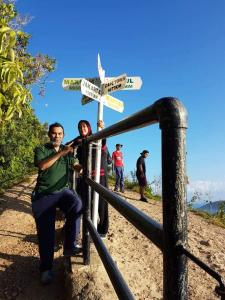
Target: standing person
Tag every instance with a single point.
(117, 157)
(51, 191)
(141, 174)
(85, 130)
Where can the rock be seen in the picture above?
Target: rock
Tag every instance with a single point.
(205, 243)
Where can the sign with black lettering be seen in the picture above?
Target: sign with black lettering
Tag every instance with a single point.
(90, 90)
(115, 84)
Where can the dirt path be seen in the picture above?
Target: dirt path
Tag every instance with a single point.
(138, 259)
(140, 262)
(19, 276)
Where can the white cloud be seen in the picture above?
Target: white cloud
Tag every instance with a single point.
(215, 190)
(206, 186)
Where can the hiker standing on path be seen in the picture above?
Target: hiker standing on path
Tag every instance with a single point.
(141, 174)
(85, 130)
(51, 191)
(117, 157)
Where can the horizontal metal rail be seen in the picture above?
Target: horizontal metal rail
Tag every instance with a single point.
(115, 276)
(219, 290)
(168, 112)
(149, 227)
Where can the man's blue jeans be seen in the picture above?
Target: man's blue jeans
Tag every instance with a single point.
(44, 210)
(119, 178)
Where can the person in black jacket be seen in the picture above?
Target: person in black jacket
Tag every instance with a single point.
(85, 130)
(141, 174)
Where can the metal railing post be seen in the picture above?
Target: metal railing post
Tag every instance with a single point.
(173, 123)
(86, 160)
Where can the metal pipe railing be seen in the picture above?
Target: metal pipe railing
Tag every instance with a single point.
(172, 118)
(174, 212)
(115, 276)
(150, 228)
(85, 195)
(168, 112)
(220, 289)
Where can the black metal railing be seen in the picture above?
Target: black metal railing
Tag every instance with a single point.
(171, 238)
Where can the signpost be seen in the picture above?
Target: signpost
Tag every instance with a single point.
(73, 84)
(91, 90)
(114, 84)
(98, 88)
(113, 103)
(95, 202)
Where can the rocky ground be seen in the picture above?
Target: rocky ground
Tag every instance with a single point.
(139, 261)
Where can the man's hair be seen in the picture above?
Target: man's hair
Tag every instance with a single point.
(56, 124)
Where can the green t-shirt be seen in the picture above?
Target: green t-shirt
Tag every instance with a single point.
(55, 178)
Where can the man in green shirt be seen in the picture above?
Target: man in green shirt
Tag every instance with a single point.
(53, 161)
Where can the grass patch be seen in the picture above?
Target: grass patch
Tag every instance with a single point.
(216, 219)
(133, 186)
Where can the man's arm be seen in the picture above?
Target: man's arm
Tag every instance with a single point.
(48, 162)
(139, 167)
(122, 160)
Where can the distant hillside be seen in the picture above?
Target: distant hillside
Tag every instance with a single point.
(211, 208)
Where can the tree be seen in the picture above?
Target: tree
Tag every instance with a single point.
(18, 139)
(19, 70)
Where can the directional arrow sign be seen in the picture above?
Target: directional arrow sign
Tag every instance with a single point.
(115, 84)
(73, 84)
(108, 101)
(133, 83)
(90, 90)
(85, 100)
(113, 103)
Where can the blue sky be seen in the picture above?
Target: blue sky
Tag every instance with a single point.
(176, 47)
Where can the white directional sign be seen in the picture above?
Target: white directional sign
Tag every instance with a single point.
(113, 103)
(73, 84)
(115, 84)
(90, 90)
(108, 101)
(133, 83)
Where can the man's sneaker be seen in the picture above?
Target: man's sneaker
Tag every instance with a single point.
(143, 199)
(103, 236)
(122, 191)
(46, 277)
(116, 190)
(73, 252)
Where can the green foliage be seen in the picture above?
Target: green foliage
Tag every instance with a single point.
(18, 69)
(221, 211)
(133, 185)
(216, 219)
(18, 139)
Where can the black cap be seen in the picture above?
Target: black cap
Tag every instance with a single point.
(144, 152)
(119, 145)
